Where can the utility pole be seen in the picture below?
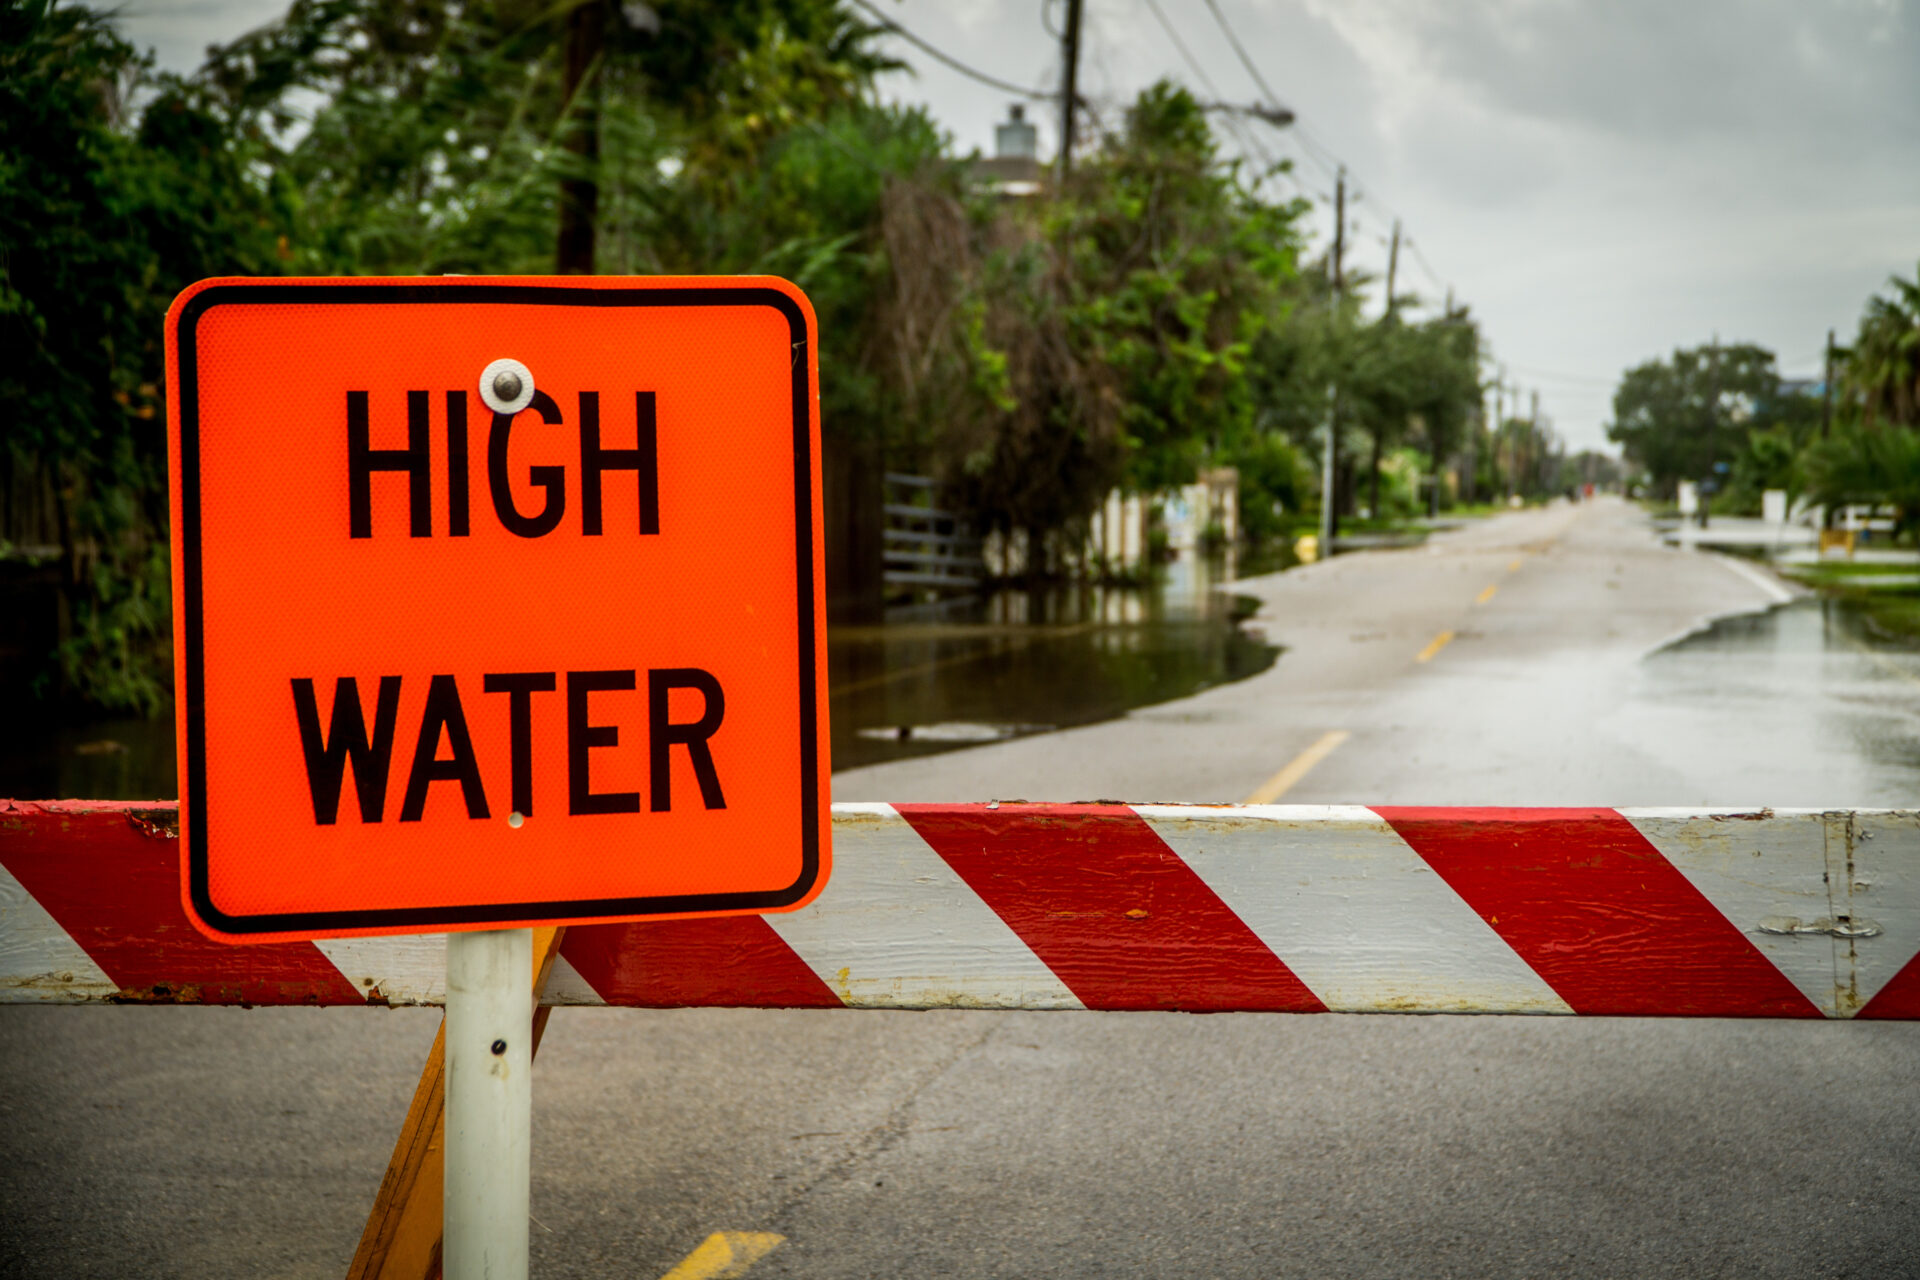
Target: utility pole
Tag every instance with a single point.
(1826, 389)
(1379, 432)
(1393, 268)
(1329, 521)
(1069, 91)
(1470, 489)
(1534, 440)
(1713, 429)
(580, 197)
(1501, 428)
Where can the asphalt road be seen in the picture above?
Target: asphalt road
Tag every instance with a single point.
(203, 1142)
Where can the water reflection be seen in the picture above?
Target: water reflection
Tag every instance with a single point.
(959, 673)
(98, 760)
(1805, 701)
(935, 678)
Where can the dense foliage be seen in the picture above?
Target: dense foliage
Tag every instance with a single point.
(1153, 318)
(1723, 416)
(105, 213)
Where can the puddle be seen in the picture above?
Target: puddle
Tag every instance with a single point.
(957, 732)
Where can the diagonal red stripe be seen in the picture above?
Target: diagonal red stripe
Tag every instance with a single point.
(1598, 912)
(111, 878)
(1109, 907)
(1900, 998)
(730, 961)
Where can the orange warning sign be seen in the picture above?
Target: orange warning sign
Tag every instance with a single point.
(498, 602)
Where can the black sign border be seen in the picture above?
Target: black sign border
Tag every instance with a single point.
(584, 910)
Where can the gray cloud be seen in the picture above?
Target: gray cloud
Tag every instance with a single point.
(1815, 70)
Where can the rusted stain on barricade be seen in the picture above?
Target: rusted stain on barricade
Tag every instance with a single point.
(125, 916)
(157, 824)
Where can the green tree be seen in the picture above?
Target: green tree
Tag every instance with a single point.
(443, 130)
(1869, 465)
(1873, 454)
(1684, 418)
(1174, 271)
(1406, 374)
(105, 213)
(1882, 372)
(1106, 332)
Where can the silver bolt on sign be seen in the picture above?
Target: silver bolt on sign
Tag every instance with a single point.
(507, 386)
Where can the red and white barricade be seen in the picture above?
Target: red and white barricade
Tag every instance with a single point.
(1764, 913)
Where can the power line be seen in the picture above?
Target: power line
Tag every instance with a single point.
(1318, 152)
(1307, 145)
(1036, 95)
(1241, 135)
(1273, 99)
(1186, 54)
(1425, 266)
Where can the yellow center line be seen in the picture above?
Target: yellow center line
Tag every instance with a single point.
(1487, 595)
(1297, 768)
(1515, 566)
(725, 1255)
(1434, 646)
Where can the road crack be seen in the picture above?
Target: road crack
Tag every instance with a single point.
(883, 1137)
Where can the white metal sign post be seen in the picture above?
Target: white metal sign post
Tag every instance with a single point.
(489, 1104)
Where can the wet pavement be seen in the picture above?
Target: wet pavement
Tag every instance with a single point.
(1481, 668)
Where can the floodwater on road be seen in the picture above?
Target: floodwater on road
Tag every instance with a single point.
(1803, 692)
(1021, 662)
(1802, 704)
(95, 760)
(932, 679)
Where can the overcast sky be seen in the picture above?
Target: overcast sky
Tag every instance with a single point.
(1599, 181)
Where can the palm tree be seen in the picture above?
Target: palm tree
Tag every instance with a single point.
(1883, 370)
(1871, 465)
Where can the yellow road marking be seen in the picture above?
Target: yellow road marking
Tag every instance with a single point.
(1299, 767)
(1487, 595)
(725, 1255)
(1434, 646)
(1515, 566)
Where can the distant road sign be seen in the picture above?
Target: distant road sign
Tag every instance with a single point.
(498, 602)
